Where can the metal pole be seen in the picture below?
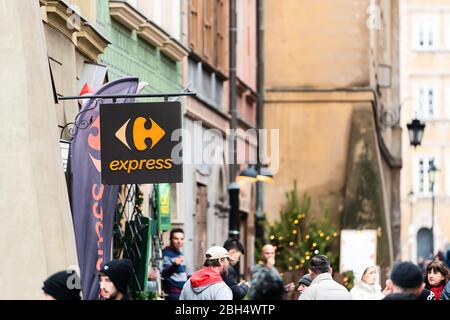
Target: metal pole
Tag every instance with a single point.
(118, 96)
(234, 211)
(432, 219)
(259, 230)
(234, 187)
(233, 89)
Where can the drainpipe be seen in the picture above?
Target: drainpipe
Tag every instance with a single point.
(234, 187)
(259, 229)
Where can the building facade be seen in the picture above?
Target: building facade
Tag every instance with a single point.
(208, 120)
(170, 45)
(425, 43)
(330, 89)
(55, 45)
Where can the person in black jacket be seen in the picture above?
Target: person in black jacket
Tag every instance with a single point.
(63, 285)
(406, 282)
(236, 249)
(115, 277)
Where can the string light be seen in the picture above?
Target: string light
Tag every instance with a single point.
(291, 243)
(307, 237)
(307, 257)
(296, 221)
(327, 238)
(316, 251)
(294, 231)
(280, 238)
(272, 237)
(314, 244)
(335, 234)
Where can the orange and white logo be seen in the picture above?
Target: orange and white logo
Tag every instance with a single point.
(140, 133)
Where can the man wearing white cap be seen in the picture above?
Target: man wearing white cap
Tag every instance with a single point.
(207, 283)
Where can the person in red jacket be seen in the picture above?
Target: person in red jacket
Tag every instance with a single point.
(436, 277)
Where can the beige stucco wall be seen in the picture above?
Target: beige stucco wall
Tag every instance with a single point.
(37, 237)
(62, 53)
(313, 139)
(321, 60)
(88, 8)
(316, 43)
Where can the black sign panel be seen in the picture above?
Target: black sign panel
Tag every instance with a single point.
(136, 144)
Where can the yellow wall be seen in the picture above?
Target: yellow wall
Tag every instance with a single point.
(316, 43)
(87, 8)
(313, 149)
(320, 63)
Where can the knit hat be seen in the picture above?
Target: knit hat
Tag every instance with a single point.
(119, 271)
(306, 280)
(62, 286)
(406, 275)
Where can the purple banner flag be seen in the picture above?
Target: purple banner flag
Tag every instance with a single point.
(93, 204)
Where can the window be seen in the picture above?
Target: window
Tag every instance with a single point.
(208, 31)
(208, 86)
(164, 13)
(447, 28)
(422, 185)
(221, 32)
(64, 147)
(426, 32)
(426, 100)
(195, 34)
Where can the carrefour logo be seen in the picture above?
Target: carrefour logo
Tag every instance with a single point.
(136, 144)
(140, 133)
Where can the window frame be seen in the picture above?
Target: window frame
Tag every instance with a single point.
(426, 159)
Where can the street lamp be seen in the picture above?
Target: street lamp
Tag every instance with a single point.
(248, 174)
(261, 174)
(415, 131)
(264, 175)
(432, 170)
(252, 174)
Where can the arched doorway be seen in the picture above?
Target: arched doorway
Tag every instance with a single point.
(424, 244)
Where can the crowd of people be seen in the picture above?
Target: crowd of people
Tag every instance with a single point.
(218, 279)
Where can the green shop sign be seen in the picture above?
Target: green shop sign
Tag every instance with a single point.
(163, 205)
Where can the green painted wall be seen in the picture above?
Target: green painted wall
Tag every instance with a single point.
(129, 55)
